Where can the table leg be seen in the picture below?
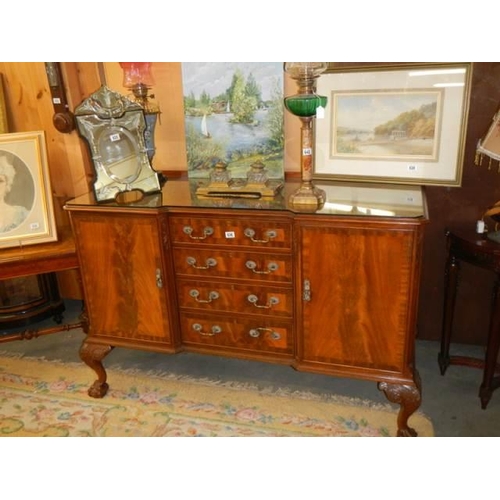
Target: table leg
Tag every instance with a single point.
(409, 397)
(452, 271)
(492, 349)
(92, 355)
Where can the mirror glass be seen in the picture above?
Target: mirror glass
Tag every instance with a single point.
(119, 154)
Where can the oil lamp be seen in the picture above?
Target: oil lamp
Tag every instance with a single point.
(304, 105)
(138, 79)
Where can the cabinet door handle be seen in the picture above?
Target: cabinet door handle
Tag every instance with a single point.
(271, 267)
(159, 280)
(207, 231)
(255, 333)
(208, 263)
(306, 293)
(253, 299)
(212, 295)
(269, 234)
(213, 331)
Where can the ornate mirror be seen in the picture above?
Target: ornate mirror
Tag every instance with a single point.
(114, 127)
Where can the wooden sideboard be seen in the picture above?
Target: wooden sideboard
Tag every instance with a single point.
(332, 292)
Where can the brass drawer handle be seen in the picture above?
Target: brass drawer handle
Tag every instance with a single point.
(213, 331)
(269, 234)
(191, 261)
(271, 267)
(212, 295)
(253, 299)
(159, 279)
(255, 333)
(207, 231)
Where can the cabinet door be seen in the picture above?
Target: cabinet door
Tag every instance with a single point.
(358, 300)
(123, 272)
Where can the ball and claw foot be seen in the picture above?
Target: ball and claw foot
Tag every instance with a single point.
(98, 389)
(407, 432)
(92, 355)
(409, 399)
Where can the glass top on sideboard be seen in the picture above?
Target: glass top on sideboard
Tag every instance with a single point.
(342, 198)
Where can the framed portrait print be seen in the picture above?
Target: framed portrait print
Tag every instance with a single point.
(26, 208)
(401, 124)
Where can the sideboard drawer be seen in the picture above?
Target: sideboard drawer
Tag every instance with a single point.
(247, 299)
(260, 334)
(264, 233)
(208, 263)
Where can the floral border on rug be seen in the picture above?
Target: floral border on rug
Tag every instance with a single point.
(52, 401)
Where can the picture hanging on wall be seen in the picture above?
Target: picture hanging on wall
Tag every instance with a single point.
(26, 209)
(233, 113)
(402, 123)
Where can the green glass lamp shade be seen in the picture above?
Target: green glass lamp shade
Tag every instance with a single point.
(304, 104)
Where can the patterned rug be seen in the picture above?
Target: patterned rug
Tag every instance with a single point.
(47, 398)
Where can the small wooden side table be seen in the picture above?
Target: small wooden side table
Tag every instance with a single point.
(38, 259)
(464, 245)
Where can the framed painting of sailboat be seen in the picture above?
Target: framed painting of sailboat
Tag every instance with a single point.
(233, 113)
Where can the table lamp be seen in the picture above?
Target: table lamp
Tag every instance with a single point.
(489, 147)
(305, 105)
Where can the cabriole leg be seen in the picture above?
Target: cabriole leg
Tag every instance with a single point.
(409, 398)
(92, 355)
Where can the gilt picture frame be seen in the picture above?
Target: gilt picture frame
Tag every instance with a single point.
(3, 109)
(26, 206)
(402, 124)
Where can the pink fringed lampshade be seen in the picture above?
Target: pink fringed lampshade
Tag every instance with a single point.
(137, 73)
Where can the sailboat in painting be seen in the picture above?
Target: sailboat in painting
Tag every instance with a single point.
(204, 129)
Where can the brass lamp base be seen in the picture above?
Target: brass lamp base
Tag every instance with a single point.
(307, 197)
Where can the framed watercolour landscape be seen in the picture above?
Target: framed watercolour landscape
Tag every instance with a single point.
(401, 124)
(233, 112)
(26, 208)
